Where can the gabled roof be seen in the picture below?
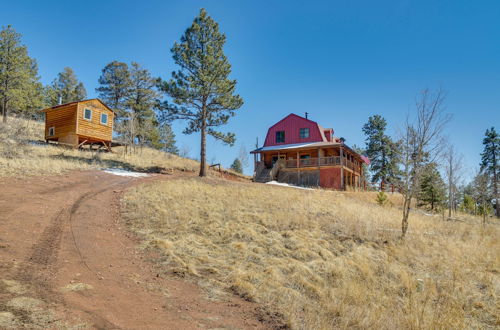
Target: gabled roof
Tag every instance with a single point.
(320, 129)
(82, 101)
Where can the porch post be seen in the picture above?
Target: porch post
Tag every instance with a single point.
(319, 157)
(342, 186)
(298, 161)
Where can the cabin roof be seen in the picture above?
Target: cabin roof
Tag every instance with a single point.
(75, 102)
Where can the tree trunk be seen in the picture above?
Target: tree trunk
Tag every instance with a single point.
(495, 186)
(406, 213)
(203, 153)
(4, 111)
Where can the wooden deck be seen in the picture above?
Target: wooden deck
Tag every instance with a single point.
(319, 162)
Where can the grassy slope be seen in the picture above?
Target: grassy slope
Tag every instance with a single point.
(321, 259)
(19, 157)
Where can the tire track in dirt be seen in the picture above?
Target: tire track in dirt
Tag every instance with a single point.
(68, 231)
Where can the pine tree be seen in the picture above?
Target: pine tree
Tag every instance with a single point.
(167, 141)
(114, 89)
(432, 187)
(236, 166)
(141, 102)
(65, 88)
(201, 91)
(490, 162)
(18, 73)
(482, 193)
(381, 150)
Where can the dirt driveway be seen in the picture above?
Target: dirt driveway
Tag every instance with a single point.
(66, 261)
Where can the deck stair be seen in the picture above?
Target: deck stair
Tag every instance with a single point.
(264, 175)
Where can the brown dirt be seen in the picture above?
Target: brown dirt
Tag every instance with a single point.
(63, 243)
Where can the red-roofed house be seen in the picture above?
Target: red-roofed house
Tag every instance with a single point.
(299, 151)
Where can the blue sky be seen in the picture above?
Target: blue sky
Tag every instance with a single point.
(341, 61)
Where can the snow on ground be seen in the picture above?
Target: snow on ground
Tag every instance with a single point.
(121, 172)
(276, 183)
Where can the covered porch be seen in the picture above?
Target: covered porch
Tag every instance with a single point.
(333, 165)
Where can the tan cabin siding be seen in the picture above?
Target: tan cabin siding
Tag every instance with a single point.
(93, 129)
(63, 119)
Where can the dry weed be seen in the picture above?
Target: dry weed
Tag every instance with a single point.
(22, 154)
(321, 259)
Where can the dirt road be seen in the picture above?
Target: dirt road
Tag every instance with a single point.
(66, 261)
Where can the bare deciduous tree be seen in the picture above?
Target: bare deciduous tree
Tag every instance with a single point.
(453, 173)
(422, 142)
(243, 156)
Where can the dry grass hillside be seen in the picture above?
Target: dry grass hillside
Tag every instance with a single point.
(321, 259)
(22, 154)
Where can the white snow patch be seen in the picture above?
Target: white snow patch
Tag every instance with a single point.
(276, 183)
(120, 172)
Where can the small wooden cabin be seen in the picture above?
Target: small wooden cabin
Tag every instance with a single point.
(79, 123)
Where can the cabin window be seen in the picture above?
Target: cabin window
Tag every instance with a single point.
(280, 136)
(87, 114)
(304, 133)
(104, 118)
(305, 156)
(52, 131)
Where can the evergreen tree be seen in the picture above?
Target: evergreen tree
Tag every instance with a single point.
(167, 140)
(201, 90)
(482, 193)
(381, 150)
(65, 88)
(236, 166)
(432, 191)
(468, 204)
(490, 162)
(18, 74)
(364, 167)
(115, 85)
(141, 102)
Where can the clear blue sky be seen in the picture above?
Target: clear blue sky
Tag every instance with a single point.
(341, 61)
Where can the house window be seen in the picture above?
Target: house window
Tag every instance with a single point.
(280, 136)
(52, 131)
(87, 114)
(304, 133)
(305, 156)
(104, 118)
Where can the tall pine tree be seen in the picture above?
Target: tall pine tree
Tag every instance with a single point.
(141, 102)
(490, 162)
(66, 88)
(381, 150)
(114, 89)
(18, 74)
(201, 90)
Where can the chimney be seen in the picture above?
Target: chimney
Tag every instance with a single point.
(60, 99)
(307, 115)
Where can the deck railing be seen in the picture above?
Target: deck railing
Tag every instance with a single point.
(322, 161)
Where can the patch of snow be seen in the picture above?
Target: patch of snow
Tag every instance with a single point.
(120, 172)
(276, 183)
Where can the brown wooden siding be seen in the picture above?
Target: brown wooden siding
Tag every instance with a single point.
(63, 119)
(94, 129)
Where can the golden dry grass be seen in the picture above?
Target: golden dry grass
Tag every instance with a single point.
(321, 259)
(20, 156)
